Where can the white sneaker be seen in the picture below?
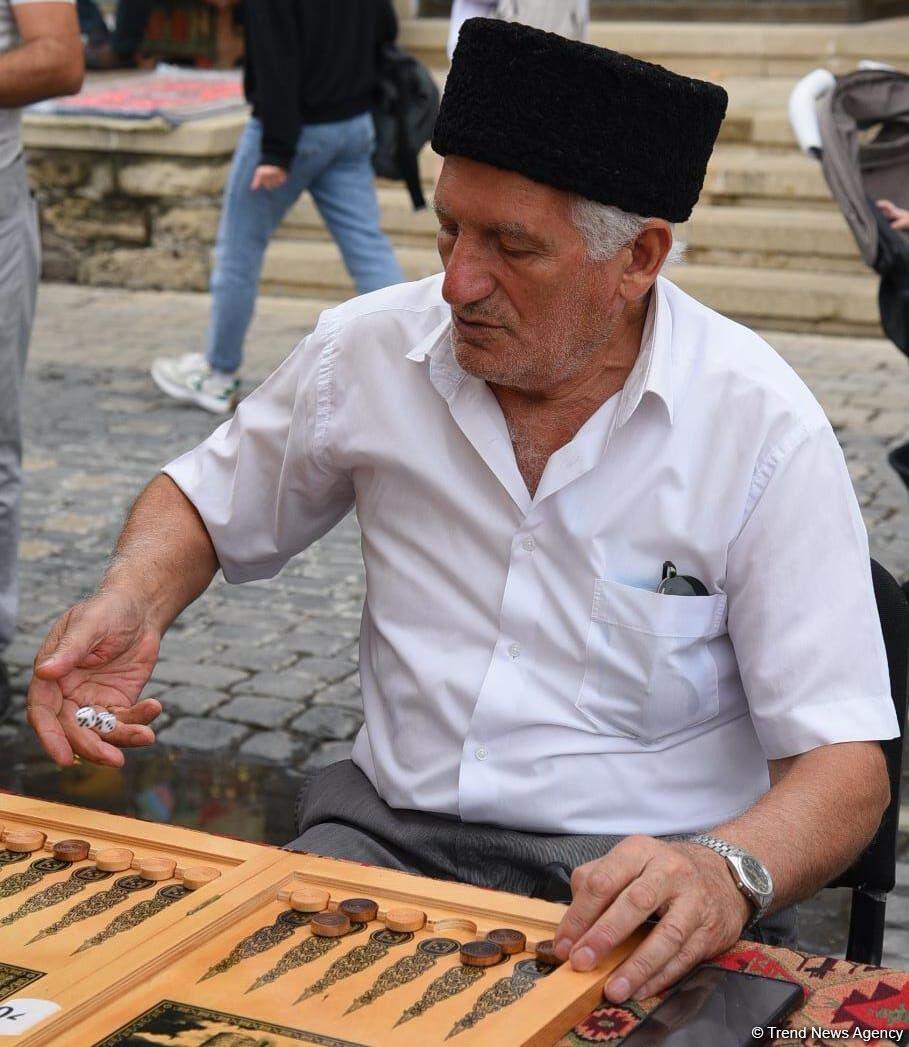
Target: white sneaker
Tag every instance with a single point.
(189, 378)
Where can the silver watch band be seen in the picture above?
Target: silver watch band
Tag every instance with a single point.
(728, 850)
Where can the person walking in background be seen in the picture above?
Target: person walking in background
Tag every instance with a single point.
(568, 18)
(40, 57)
(117, 50)
(311, 73)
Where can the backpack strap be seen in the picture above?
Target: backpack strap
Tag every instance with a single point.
(407, 156)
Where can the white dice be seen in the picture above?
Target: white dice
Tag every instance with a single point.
(86, 716)
(106, 723)
(101, 720)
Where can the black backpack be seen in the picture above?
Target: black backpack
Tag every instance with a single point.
(407, 104)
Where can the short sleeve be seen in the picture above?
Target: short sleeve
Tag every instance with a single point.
(802, 614)
(264, 482)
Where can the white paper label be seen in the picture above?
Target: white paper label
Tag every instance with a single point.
(18, 1015)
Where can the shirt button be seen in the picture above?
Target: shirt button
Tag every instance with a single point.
(481, 753)
(529, 544)
(514, 650)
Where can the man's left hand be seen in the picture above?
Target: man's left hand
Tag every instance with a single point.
(702, 913)
(268, 176)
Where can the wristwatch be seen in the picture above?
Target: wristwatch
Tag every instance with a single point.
(751, 877)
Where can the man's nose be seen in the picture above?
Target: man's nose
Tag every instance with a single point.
(468, 276)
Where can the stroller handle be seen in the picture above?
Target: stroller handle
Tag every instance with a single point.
(803, 109)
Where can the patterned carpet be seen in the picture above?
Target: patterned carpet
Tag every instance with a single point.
(839, 995)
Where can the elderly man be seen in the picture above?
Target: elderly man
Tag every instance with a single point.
(619, 639)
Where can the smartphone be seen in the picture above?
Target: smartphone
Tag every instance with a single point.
(719, 1007)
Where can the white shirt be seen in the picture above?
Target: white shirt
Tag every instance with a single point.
(517, 666)
(10, 141)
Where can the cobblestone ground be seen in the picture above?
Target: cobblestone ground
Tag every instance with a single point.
(268, 670)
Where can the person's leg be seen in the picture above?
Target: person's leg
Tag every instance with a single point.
(336, 840)
(132, 21)
(91, 22)
(248, 220)
(345, 195)
(19, 271)
(339, 814)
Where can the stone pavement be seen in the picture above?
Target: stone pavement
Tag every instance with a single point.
(239, 670)
(268, 670)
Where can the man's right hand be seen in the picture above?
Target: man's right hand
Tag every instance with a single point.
(101, 652)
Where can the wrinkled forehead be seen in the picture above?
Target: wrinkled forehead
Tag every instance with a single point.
(471, 192)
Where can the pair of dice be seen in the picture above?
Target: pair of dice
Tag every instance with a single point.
(102, 721)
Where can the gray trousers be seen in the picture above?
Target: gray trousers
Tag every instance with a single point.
(20, 263)
(340, 815)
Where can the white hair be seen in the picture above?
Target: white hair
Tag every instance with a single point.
(606, 230)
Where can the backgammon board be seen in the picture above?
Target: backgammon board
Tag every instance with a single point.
(205, 942)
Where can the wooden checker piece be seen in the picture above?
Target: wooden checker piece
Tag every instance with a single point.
(330, 924)
(199, 876)
(309, 899)
(71, 850)
(157, 868)
(483, 953)
(114, 859)
(359, 910)
(24, 840)
(546, 953)
(404, 919)
(508, 940)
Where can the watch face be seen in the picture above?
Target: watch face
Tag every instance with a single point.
(757, 876)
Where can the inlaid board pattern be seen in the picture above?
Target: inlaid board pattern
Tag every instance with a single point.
(81, 892)
(266, 947)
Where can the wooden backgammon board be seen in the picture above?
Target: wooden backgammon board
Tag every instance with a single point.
(121, 933)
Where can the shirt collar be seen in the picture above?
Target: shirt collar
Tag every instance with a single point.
(445, 373)
(652, 371)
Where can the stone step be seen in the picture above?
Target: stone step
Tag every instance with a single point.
(747, 175)
(719, 49)
(771, 238)
(737, 173)
(787, 299)
(775, 237)
(315, 268)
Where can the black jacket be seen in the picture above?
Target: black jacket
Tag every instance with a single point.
(311, 62)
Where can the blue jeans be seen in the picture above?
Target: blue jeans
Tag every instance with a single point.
(333, 163)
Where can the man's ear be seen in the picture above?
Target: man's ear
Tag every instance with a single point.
(648, 253)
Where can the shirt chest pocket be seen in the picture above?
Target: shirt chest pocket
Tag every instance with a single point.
(649, 670)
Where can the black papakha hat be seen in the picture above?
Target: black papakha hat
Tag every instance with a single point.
(578, 117)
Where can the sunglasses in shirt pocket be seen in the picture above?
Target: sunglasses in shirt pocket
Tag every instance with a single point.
(649, 670)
